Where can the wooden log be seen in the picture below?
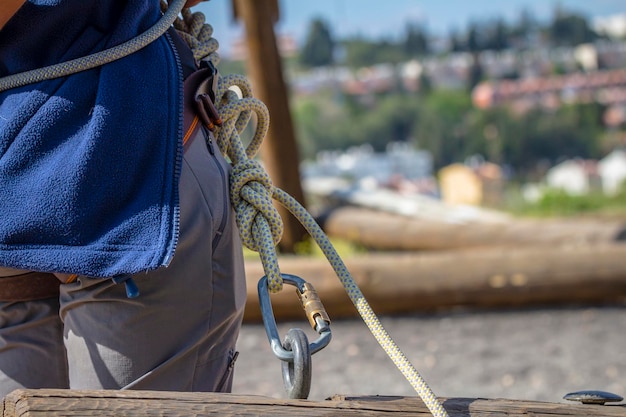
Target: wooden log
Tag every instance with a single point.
(387, 231)
(489, 277)
(47, 402)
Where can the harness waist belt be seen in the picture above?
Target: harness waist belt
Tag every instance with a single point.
(29, 286)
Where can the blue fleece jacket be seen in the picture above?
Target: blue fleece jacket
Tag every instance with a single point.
(89, 163)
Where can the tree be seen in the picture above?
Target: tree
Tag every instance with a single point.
(525, 27)
(473, 39)
(415, 41)
(498, 36)
(441, 125)
(455, 44)
(361, 52)
(475, 74)
(570, 29)
(319, 46)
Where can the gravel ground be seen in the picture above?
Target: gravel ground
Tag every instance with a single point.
(538, 354)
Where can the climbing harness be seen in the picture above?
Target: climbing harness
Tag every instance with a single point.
(251, 193)
(296, 350)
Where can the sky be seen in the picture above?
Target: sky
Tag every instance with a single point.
(389, 17)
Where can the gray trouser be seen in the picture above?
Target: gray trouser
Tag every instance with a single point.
(178, 335)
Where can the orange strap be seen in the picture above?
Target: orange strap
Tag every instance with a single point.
(190, 131)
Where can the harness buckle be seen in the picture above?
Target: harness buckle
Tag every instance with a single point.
(205, 63)
(206, 96)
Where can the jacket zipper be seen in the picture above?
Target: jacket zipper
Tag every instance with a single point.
(178, 161)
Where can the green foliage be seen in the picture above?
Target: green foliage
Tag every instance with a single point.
(455, 43)
(445, 123)
(326, 122)
(226, 67)
(559, 203)
(309, 248)
(360, 52)
(416, 41)
(319, 47)
(474, 44)
(570, 131)
(476, 74)
(488, 35)
(566, 29)
(344, 248)
(499, 38)
(570, 29)
(439, 126)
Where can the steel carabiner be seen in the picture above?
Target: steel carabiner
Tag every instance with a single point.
(296, 351)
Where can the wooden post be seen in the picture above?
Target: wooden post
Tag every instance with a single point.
(279, 152)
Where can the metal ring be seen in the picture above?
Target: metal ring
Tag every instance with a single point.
(297, 373)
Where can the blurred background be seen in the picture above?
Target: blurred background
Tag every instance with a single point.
(468, 160)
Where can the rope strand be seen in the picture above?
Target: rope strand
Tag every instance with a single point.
(97, 59)
(251, 189)
(261, 227)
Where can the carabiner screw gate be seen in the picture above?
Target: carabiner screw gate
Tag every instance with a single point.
(296, 350)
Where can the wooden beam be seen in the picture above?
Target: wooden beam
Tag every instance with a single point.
(57, 403)
(279, 151)
(387, 231)
(483, 278)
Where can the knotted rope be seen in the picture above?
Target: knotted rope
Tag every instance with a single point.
(260, 224)
(97, 59)
(251, 189)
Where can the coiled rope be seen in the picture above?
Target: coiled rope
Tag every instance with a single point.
(97, 59)
(259, 223)
(261, 227)
(251, 189)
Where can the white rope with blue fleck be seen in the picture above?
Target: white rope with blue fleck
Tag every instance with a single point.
(260, 224)
(251, 189)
